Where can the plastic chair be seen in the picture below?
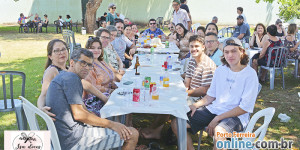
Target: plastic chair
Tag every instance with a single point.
(57, 26)
(194, 27)
(226, 32)
(12, 103)
(159, 22)
(166, 23)
(296, 61)
(201, 131)
(69, 38)
(268, 114)
(30, 112)
(278, 63)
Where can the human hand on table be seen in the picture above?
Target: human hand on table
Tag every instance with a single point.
(212, 125)
(122, 130)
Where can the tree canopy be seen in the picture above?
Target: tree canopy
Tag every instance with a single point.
(288, 9)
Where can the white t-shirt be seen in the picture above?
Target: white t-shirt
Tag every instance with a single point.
(181, 16)
(232, 89)
(245, 19)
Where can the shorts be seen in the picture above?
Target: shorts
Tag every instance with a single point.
(260, 62)
(98, 138)
(202, 117)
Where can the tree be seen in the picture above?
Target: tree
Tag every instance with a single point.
(288, 9)
(90, 15)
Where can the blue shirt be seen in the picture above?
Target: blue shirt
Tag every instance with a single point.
(157, 32)
(216, 57)
(242, 29)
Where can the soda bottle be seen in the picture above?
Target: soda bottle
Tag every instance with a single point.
(167, 44)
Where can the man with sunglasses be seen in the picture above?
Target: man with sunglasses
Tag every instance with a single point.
(180, 15)
(76, 127)
(153, 29)
(111, 16)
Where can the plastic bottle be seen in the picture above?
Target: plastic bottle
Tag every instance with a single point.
(169, 63)
(167, 44)
(166, 80)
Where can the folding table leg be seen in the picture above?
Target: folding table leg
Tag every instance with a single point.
(181, 130)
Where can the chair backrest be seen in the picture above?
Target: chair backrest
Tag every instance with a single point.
(30, 112)
(159, 21)
(260, 133)
(276, 57)
(195, 26)
(226, 32)
(10, 88)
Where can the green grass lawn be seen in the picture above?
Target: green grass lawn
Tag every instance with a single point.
(27, 53)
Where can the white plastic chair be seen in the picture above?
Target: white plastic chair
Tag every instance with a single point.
(30, 112)
(194, 27)
(279, 63)
(201, 131)
(260, 133)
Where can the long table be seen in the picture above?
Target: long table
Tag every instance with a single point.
(173, 49)
(172, 100)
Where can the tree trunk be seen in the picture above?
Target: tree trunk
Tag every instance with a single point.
(90, 15)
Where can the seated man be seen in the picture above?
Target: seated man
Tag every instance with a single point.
(153, 29)
(199, 71)
(121, 43)
(212, 48)
(76, 127)
(241, 30)
(21, 20)
(230, 98)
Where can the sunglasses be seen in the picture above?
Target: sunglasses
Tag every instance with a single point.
(114, 8)
(152, 23)
(171, 28)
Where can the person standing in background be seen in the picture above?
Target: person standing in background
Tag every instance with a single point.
(111, 16)
(180, 15)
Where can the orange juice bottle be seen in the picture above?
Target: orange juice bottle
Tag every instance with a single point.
(154, 93)
(166, 81)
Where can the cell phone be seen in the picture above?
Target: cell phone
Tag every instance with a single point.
(127, 82)
(176, 69)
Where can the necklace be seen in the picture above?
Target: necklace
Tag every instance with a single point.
(231, 81)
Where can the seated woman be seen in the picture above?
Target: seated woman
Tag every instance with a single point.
(229, 100)
(57, 53)
(127, 33)
(261, 59)
(69, 22)
(182, 41)
(280, 31)
(212, 27)
(259, 34)
(101, 76)
(44, 23)
(135, 30)
(291, 43)
(201, 31)
(111, 56)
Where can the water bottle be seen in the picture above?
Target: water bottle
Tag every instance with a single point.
(169, 63)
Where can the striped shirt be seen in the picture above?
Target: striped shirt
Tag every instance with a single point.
(201, 74)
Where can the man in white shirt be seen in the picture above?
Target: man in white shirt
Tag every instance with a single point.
(180, 15)
(230, 98)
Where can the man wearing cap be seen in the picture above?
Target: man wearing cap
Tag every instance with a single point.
(241, 30)
(230, 98)
(180, 15)
(111, 16)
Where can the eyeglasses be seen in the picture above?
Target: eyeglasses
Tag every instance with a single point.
(152, 23)
(210, 41)
(59, 51)
(114, 8)
(84, 64)
(171, 28)
(175, 4)
(105, 38)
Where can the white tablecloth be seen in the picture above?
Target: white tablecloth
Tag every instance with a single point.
(172, 100)
(252, 52)
(172, 49)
